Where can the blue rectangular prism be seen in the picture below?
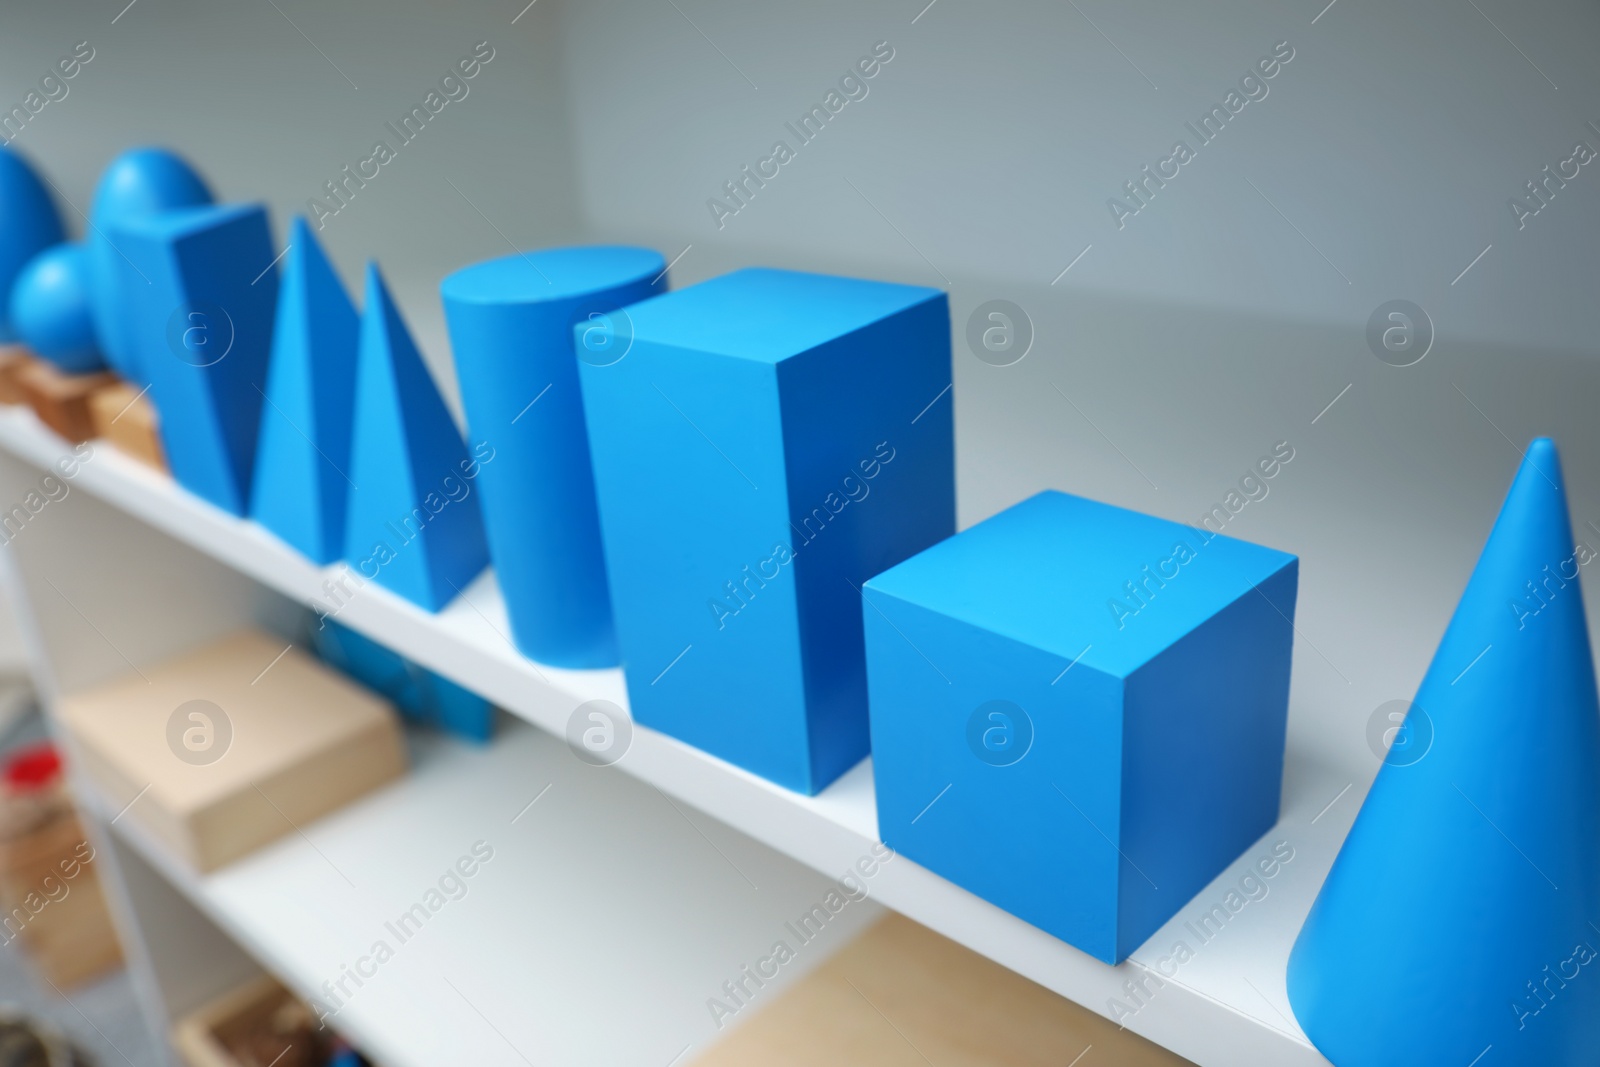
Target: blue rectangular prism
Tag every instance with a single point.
(202, 329)
(769, 441)
(1078, 712)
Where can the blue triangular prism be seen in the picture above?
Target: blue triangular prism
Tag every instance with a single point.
(303, 459)
(413, 524)
(203, 322)
(139, 183)
(1460, 913)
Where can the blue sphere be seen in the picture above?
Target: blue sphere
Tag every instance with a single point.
(51, 309)
(138, 183)
(28, 225)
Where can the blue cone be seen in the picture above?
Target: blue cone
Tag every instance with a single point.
(414, 526)
(303, 458)
(1460, 914)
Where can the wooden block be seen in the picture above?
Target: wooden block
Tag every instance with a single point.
(62, 400)
(124, 415)
(903, 995)
(13, 358)
(233, 746)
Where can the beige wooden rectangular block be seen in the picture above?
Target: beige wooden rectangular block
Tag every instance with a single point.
(904, 995)
(124, 415)
(230, 747)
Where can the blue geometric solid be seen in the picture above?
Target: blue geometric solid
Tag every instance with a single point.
(421, 695)
(414, 525)
(138, 183)
(303, 460)
(52, 311)
(770, 441)
(1460, 913)
(203, 331)
(1078, 712)
(372, 663)
(454, 709)
(28, 225)
(511, 323)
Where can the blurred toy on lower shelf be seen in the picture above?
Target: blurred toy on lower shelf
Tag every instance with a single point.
(53, 906)
(26, 1041)
(260, 1024)
(421, 695)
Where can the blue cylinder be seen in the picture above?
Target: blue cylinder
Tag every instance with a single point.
(511, 328)
(28, 225)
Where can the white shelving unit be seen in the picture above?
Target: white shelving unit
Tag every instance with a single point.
(618, 908)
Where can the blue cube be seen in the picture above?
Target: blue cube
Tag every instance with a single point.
(763, 443)
(1078, 712)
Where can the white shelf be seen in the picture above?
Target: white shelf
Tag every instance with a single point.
(1227, 1007)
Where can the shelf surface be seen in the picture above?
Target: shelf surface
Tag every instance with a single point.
(1226, 1006)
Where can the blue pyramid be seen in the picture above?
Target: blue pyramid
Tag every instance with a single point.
(303, 458)
(1459, 915)
(414, 526)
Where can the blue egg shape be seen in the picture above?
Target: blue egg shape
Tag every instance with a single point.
(28, 225)
(51, 309)
(138, 183)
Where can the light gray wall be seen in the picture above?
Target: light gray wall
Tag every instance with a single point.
(1000, 130)
(1221, 319)
(1226, 314)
